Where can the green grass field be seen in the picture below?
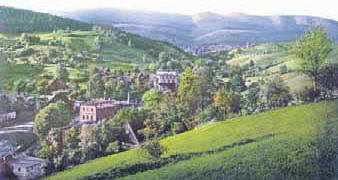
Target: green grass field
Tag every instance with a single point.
(291, 143)
(14, 72)
(270, 57)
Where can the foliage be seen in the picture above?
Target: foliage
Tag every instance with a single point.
(276, 93)
(313, 50)
(283, 69)
(96, 86)
(62, 73)
(327, 79)
(151, 99)
(19, 21)
(308, 94)
(243, 147)
(252, 98)
(153, 149)
(227, 102)
(54, 115)
(90, 142)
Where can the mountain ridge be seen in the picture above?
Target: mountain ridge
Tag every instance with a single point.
(208, 27)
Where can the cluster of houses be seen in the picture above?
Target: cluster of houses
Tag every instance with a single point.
(91, 112)
(208, 48)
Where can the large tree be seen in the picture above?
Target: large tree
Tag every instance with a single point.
(54, 115)
(227, 102)
(313, 49)
(151, 99)
(276, 92)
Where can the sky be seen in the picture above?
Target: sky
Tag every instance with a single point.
(322, 8)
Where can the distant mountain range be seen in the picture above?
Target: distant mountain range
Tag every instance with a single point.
(207, 28)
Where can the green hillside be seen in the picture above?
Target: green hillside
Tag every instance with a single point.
(268, 60)
(16, 21)
(292, 143)
(78, 50)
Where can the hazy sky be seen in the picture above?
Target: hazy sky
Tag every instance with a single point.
(322, 8)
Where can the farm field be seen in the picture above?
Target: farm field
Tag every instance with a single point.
(269, 58)
(291, 143)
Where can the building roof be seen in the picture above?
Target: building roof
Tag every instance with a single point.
(167, 72)
(101, 103)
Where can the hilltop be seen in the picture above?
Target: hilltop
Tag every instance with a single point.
(15, 21)
(207, 27)
(290, 143)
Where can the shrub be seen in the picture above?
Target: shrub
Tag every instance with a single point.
(308, 94)
(113, 147)
(153, 149)
(283, 69)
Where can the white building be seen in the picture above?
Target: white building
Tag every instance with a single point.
(165, 80)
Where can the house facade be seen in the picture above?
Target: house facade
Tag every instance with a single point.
(98, 110)
(166, 80)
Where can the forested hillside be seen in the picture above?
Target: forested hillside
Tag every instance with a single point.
(18, 21)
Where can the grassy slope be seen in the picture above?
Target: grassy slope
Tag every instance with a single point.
(115, 55)
(13, 72)
(267, 55)
(284, 144)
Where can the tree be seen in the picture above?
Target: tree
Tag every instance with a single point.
(252, 98)
(54, 115)
(327, 79)
(153, 149)
(283, 69)
(89, 142)
(277, 93)
(170, 114)
(62, 73)
(205, 84)
(96, 86)
(72, 139)
(313, 49)
(151, 99)
(188, 93)
(227, 102)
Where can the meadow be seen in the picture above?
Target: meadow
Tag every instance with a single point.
(291, 143)
(269, 58)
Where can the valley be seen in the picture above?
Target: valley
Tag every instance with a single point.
(133, 94)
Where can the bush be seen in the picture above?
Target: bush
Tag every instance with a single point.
(308, 94)
(208, 114)
(283, 69)
(113, 147)
(153, 149)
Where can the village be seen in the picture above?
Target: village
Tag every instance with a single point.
(89, 113)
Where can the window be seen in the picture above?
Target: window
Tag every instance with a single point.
(91, 117)
(19, 169)
(83, 117)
